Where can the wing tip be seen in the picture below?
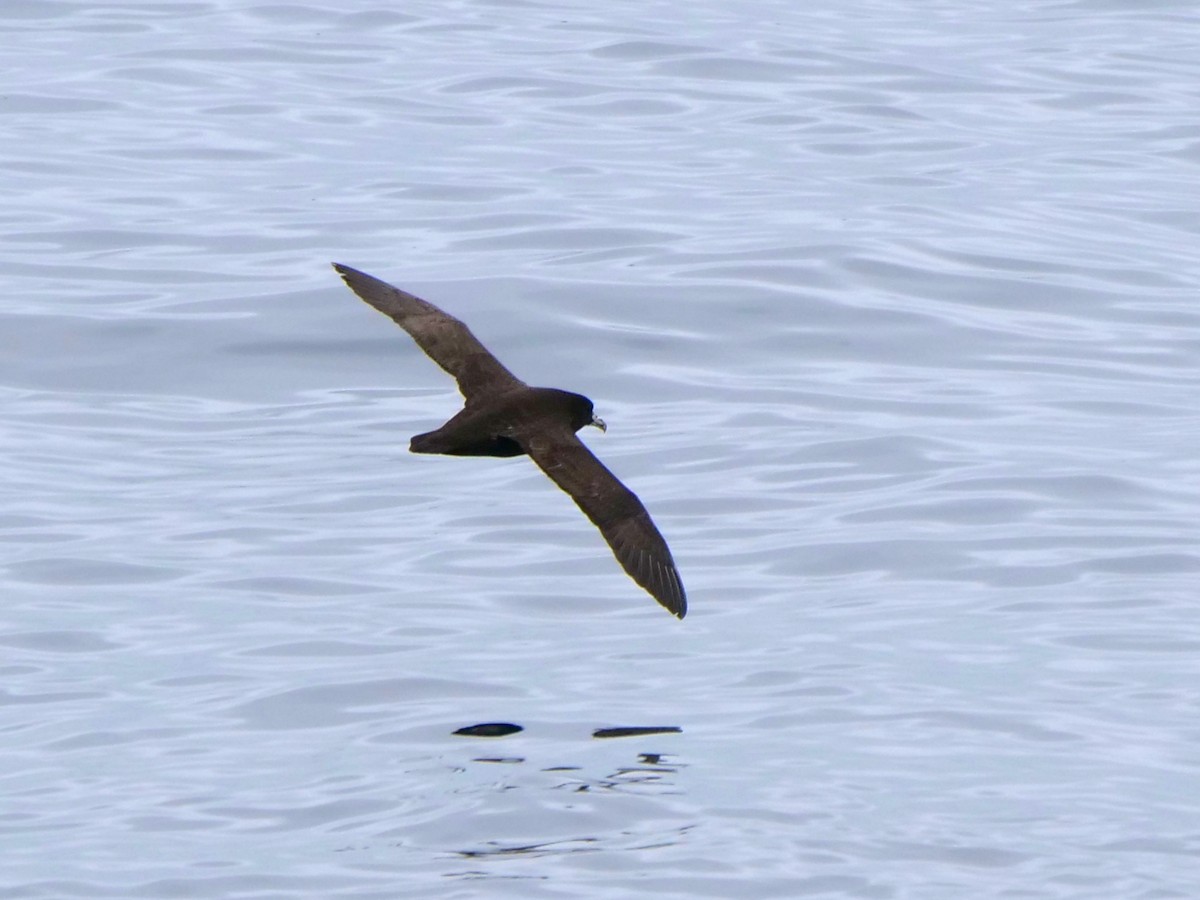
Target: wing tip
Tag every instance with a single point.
(671, 595)
(676, 607)
(348, 272)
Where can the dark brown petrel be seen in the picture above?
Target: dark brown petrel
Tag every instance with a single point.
(503, 416)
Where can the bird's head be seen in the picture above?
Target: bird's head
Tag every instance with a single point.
(583, 413)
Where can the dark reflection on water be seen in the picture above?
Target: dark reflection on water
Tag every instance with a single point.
(495, 848)
(489, 730)
(636, 731)
(503, 729)
(650, 769)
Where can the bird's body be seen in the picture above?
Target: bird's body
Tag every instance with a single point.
(488, 429)
(503, 416)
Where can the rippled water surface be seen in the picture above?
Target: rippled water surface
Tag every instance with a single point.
(893, 310)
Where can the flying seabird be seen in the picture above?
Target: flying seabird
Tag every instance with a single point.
(503, 416)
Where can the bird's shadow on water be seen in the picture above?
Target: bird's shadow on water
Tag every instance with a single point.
(503, 729)
(651, 767)
(647, 772)
(543, 809)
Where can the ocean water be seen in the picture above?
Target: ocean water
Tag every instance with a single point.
(892, 308)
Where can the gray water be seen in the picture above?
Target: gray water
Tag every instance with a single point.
(893, 310)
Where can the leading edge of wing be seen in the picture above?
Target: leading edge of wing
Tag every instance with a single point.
(445, 339)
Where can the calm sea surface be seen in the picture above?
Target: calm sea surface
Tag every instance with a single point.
(893, 310)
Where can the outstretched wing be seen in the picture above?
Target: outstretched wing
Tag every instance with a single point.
(446, 340)
(612, 507)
